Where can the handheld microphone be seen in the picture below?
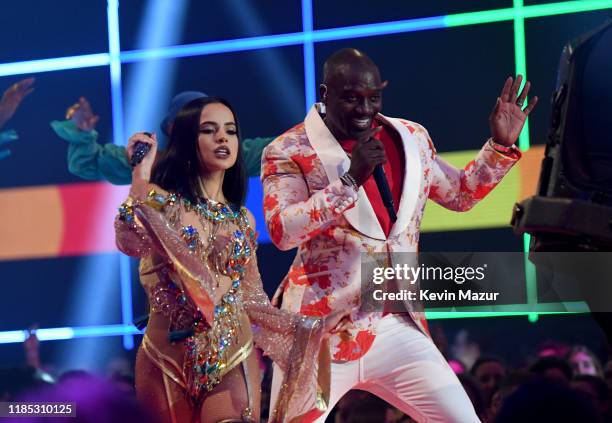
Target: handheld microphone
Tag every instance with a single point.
(385, 191)
(141, 149)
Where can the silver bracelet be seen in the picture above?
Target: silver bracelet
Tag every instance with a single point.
(348, 180)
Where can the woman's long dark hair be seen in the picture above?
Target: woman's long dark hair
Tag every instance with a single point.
(178, 168)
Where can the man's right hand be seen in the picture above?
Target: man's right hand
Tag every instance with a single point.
(142, 171)
(366, 155)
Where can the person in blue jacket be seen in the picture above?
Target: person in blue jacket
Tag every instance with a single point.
(91, 160)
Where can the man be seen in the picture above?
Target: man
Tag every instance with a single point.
(90, 160)
(320, 196)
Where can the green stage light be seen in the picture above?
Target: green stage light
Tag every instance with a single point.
(531, 311)
(535, 11)
(475, 18)
(520, 60)
(564, 7)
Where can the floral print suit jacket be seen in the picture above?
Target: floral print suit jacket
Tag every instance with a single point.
(307, 206)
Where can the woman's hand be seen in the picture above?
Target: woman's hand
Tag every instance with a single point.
(142, 171)
(337, 321)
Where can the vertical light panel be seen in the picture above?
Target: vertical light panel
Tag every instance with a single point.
(520, 58)
(530, 278)
(309, 64)
(115, 71)
(119, 138)
(151, 82)
(125, 275)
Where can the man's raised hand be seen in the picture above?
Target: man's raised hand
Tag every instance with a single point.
(508, 116)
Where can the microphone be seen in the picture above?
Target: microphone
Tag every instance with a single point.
(385, 191)
(141, 149)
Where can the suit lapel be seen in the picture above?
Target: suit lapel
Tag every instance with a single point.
(412, 176)
(335, 163)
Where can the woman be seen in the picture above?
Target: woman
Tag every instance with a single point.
(184, 219)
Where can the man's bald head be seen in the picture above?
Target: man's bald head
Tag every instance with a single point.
(346, 61)
(351, 92)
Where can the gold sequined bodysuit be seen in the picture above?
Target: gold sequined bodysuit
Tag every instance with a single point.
(207, 308)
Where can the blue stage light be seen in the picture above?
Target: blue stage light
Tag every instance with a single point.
(385, 28)
(255, 204)
(119, 138)
(309, 61)
(55, 334)
(214, 47)
(55, 64)
(150, 83)
(127, 315)
(116, 57)
(61, 334)
(12, 336)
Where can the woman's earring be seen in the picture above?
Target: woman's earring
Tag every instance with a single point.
(322, 107)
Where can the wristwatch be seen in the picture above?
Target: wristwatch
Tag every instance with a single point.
(348, 180)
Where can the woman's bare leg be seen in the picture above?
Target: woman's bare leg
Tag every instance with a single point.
(230, 398)
(159, 394)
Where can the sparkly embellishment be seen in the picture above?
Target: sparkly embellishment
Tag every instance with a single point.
(212, 359)
(247, 415)
(169, 299)
(208, 345)
(126, 212)
(191, 237)
(158, 201)
(190, 230)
